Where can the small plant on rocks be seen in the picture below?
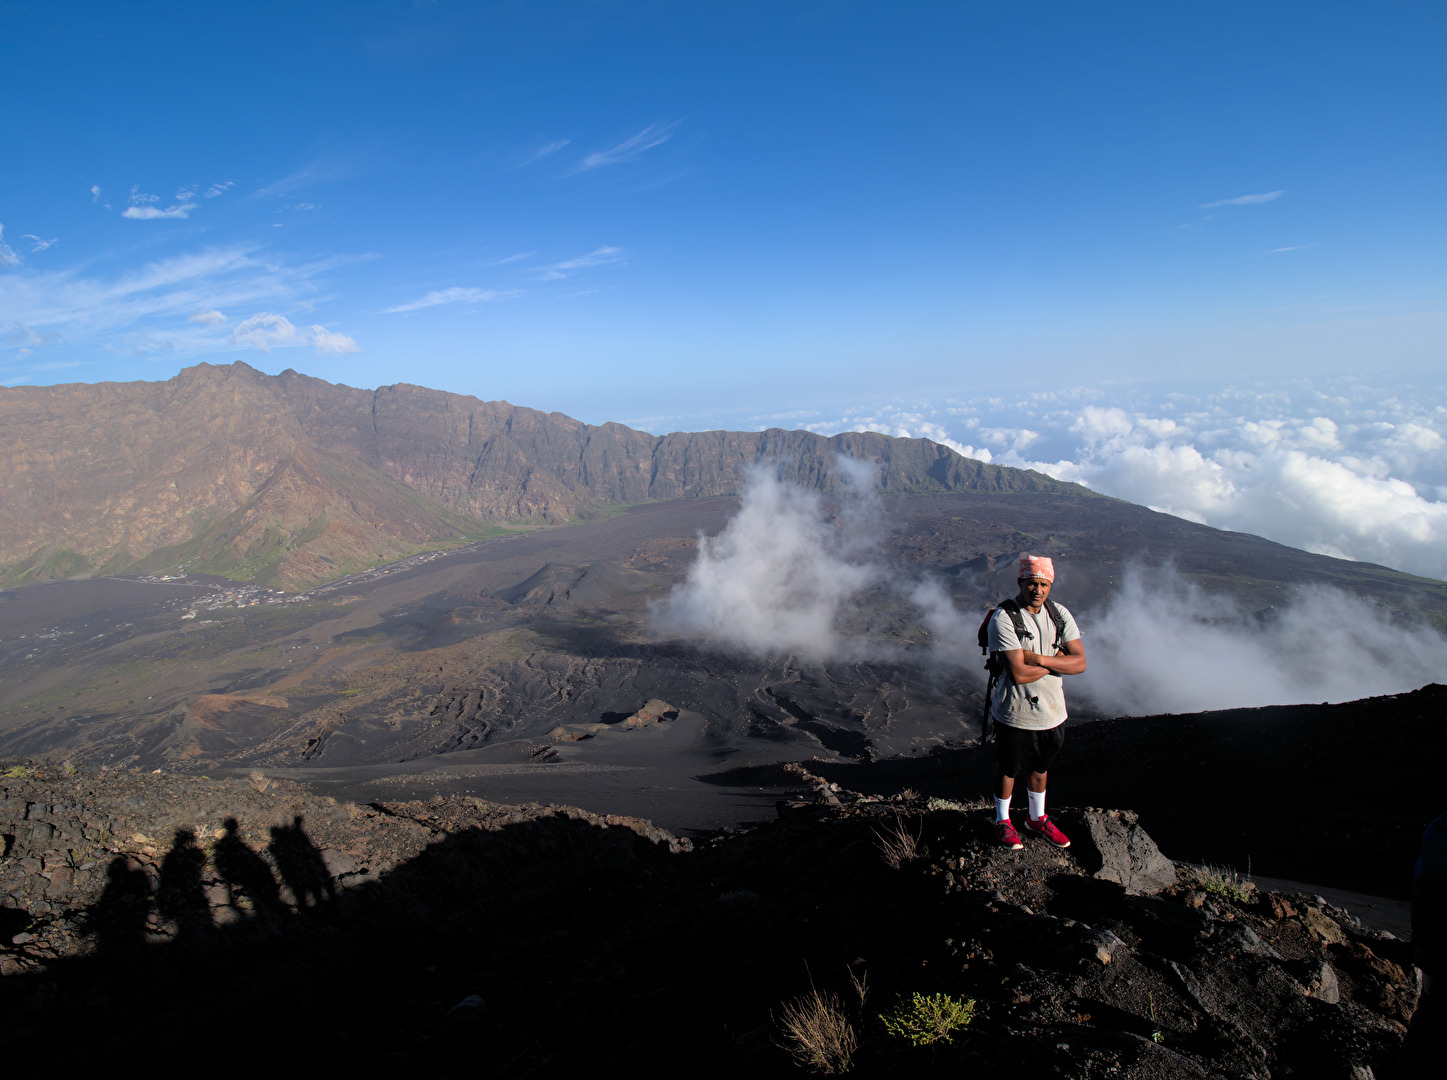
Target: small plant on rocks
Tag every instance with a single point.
(817, 1032)
(1157, 1035)
(926, 1019)
(1223, 881)
(897, 844)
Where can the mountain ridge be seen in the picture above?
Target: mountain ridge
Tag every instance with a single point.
(288, 479)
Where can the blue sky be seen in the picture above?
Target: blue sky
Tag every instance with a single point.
(701, 213)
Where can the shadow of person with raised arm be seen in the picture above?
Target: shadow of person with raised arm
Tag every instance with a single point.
(180, 896)
(118, 919)
(248, 879)
(302, 867)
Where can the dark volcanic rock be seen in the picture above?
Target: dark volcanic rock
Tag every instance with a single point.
(1127, 855)
(457, 936)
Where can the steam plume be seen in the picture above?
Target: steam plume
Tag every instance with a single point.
(776, 578)
(1162, 644)
(787, 577)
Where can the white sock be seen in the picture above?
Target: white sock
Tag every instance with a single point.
(1037, 805)
(1002, 809)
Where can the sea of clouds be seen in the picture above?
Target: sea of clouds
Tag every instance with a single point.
(1336, 467)
(790, 572)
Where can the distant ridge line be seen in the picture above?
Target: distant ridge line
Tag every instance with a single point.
(290, 479)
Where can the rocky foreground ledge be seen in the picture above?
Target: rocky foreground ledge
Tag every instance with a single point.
(235, 925)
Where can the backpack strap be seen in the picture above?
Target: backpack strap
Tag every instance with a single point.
(1058, 618)
(1012, 608)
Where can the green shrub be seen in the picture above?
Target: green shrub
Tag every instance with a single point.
(1223, 881)
(927, 1019)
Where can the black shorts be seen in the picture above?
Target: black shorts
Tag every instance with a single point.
(1018, 750)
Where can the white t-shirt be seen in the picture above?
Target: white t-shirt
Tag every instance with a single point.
(1040, 705)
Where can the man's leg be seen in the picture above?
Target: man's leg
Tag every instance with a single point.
(1007, 766)
(1035, 782)
(1047, 746)
(1004, 788)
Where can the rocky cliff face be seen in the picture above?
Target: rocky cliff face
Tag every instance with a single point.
(292, 480)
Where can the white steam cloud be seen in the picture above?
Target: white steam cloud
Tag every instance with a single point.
(1164, 645)
(778, 576)
(787, 576)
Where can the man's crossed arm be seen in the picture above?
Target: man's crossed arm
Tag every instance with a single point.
(1027, 667)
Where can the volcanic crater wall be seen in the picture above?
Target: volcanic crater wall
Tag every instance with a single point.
(293, 479)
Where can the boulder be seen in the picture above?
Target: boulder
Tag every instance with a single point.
(1319, 981)
(653, 711)
(1102, 945)
(1322, 926)
(1126, 854)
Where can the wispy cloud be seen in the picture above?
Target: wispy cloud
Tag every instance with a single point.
(143, 207)
(651, 136)
(321, 171)
(8, 256)
(20, 334)
(266, 330)
(602, 256)
(1291, 247)
(95, 193)
(220, 189)
(1246, 200)
(209, 317)
(160, 297)
(542, 152)
(37, 244)
(455, 295)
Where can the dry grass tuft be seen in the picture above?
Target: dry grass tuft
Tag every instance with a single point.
(1223, 881)
(897, 844)
(818, 1033)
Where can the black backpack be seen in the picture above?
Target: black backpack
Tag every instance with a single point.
(995, 665)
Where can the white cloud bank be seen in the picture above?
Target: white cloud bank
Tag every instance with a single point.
(792, 575)
(1347, 470)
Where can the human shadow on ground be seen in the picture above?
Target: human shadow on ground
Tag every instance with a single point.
(366, 971)
(301, 866)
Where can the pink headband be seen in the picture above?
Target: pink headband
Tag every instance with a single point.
(1036, 566)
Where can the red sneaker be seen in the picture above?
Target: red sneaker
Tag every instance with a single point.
(1007, 837)
(1046, 828)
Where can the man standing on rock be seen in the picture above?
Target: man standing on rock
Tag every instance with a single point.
(1029, 698)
